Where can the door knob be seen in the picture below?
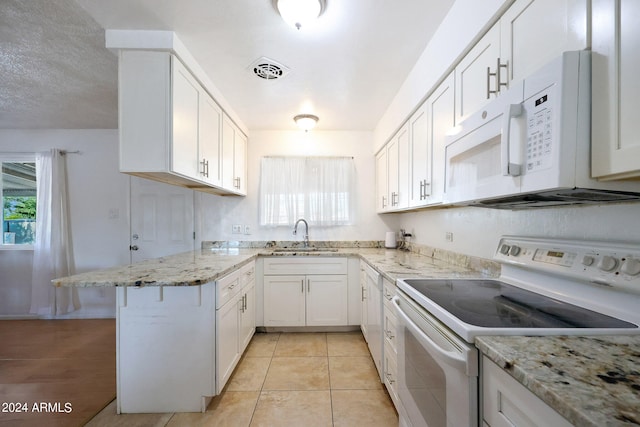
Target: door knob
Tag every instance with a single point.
(133, 247)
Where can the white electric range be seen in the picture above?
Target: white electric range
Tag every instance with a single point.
(547, 287)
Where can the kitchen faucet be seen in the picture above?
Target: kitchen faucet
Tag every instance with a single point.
(306, 231)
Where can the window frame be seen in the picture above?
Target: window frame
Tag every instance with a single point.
(15, 158)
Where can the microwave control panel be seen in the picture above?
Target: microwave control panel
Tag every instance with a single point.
(539, 147)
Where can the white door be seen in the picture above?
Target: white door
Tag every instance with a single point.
(420, 156)
(209, 140)
(184, 146)
(227, 340)
(161, 219)
(382, 184)
(327, 297)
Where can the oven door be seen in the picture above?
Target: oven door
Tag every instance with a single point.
(437, 371)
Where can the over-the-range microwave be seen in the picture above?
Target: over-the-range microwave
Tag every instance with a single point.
(531, 146)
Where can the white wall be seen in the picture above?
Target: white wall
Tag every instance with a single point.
(476, 231)
(219, 213)
(96, 191)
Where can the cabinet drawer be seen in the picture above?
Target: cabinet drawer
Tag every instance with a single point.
(388, 292)
(247, 274)
(389, 330)
(308, 265)
(391, 375)
(227, 287)
(506, 402)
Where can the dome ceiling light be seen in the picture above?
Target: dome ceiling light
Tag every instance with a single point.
(299, 13)
(306, 122)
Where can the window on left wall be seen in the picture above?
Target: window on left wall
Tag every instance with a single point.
(19, 197)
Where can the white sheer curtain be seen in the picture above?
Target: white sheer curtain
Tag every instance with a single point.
(319, 189)
(52, 252)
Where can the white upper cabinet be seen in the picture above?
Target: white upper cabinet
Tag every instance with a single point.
(234, 157)
(170, 127)
(527, 36)
(616, 89)
(428, 127)
(475, 85)
(534, 32)
(210, 140)
(382, 183)
(392, 173)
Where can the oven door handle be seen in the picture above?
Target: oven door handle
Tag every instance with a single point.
(451, 358)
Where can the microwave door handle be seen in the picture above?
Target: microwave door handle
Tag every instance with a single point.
(451, 358)
(508, 168)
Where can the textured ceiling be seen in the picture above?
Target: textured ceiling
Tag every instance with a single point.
(56, 72)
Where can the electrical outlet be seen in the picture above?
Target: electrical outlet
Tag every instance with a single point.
(449, 236)
(236, 229)
(247, 229)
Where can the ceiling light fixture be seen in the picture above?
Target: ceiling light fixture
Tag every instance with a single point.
(306, 122)
(298, 13)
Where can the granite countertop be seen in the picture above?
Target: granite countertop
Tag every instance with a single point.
(216, 260)
(590, 380)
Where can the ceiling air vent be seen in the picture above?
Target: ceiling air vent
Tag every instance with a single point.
(268, 69)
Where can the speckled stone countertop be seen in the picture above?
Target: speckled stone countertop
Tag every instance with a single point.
(591, 381)
(218, 259)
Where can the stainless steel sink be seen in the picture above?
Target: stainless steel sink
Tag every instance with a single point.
(305, 250)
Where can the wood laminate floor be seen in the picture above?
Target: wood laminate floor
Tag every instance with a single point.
(57, 372)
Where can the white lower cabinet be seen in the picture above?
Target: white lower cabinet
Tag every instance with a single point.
(390, 340)
(235, 320)
(373, 308)
(295, 299)
(507, 403)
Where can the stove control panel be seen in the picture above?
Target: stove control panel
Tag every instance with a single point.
(602, 263)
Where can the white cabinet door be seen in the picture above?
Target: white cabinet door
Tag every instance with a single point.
(228, 138)
(227, 340)
(234, 157)
(209, 140)
(420, 154)
(363, 300)
(534, 32)
(441, 118)
(473, 82)
(185, 96)
(374, 321)
(327, 297)
(248, 315)
(616, 89)
(382, 184)
(240, 162)
(284, 300)
(393, 186)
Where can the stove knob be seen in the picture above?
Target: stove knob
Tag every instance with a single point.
(607, 263)
(588, 260)
(514, 251)
(504, 249)
(631, 266)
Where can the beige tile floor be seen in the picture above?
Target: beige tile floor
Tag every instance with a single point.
(292, 379)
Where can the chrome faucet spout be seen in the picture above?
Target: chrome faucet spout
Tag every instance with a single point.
(306, 231)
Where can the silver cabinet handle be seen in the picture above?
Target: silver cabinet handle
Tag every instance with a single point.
(394, 198)
(389, 334)
(302, 286)
(389, 377)
(362, 297)
(236, 182)
(308, 285)
(384, 202)
(205, 167)
(496, 75)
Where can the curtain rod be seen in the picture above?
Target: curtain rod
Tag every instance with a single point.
(304, 157)
(25, 153)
